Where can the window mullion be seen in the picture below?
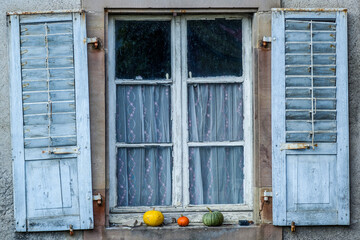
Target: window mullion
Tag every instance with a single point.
(184, 78)
(112, 115)
(177, 195)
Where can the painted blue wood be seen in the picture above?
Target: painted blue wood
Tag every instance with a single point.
(83, 120)
(309, 73)
(40, 18)
(278, 109)
(343, 187)
(17, 137)
(50, 122)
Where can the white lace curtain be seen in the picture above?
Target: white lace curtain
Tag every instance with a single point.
(143, 116)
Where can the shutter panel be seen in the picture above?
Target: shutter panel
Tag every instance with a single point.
(310, 127)
(50, 122)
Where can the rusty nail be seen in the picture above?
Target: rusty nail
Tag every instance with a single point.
(71, 230)
(292, 226)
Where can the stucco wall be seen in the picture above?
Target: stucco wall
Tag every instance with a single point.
(353, 231)
(7, 227)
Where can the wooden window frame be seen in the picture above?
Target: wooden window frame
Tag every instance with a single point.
(179, 82)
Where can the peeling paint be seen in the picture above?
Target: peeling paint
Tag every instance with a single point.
(296, 146)
(310, 9)
(45, 12)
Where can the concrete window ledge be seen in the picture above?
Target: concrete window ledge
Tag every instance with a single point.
(176, 226)
(194, 231)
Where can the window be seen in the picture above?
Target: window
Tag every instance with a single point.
(180, 117)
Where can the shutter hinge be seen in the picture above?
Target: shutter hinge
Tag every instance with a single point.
(98, 198)
(265, 41)
(267, 195)
(95, 41)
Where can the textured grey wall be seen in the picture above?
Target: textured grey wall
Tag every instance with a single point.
(353, 231)
(7, 227)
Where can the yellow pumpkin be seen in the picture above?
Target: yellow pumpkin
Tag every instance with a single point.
(153, 218)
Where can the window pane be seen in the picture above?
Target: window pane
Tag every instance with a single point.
(142, 49)
(216, 175)
(144, 176)
(214, 48)
(215, 112)
(143, 114)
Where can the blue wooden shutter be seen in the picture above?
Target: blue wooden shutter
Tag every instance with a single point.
(50, 122)
(310, 128)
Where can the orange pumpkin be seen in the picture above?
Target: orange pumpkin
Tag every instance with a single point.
(183, 221)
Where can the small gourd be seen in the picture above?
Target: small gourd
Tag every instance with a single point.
(183, 221)
(153, 218)
(211, 218)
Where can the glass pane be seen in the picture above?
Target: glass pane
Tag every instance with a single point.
(143, 114)
(144, 176)
(216, 175)
(215, 112)
(214, 48)
(142, 49)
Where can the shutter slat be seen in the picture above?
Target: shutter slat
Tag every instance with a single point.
(307, 137)
(63, 129)
(60, 51)
(40, 18)
(39, 74)
(306, 115)
(61, 74)
(60, 28)
(35, 108)
(321, 125)
(63, 62)
(32, 30)
(58, 107)
(32, 41)
(306, 104)
(61, 84)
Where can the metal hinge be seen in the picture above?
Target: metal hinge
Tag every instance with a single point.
(267, 195)
(98, 198)
(95, 41)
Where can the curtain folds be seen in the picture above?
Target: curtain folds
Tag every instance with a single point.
(215, 113)
(144, 174)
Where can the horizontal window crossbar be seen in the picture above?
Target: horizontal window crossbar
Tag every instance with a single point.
(142, 145)
(224, 79)
(216, 144)
(141, 82)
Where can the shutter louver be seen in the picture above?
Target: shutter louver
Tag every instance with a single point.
(310, 128)
(50, 122)
(310, 81)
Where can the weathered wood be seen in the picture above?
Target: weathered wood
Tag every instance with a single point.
(196, 217)
(52, 175)
(17, 138)
(311, 185)
(83, 121)
(111, 117)
(278, 123)
(343, 186)
(38, 18)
